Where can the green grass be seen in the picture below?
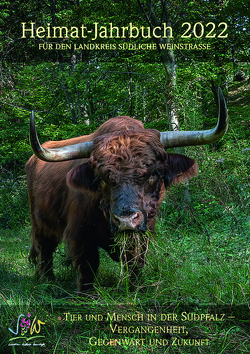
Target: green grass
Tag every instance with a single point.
(184, 274)
(197, 263)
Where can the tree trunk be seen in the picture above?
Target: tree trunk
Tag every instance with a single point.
(167, 59)
(60, 57)
(89, 98)
(169, 64)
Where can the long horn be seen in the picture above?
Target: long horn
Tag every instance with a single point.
(202, 137)
(64, 153)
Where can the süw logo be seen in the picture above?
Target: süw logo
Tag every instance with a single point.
(26, 326)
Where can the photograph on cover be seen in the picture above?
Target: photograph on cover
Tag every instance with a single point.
(125, 177)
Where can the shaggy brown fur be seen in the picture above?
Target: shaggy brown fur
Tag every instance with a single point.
(81, 201)
(125, 155)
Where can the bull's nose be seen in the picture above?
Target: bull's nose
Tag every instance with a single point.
(130, 222)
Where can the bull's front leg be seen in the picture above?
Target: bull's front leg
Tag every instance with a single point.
(41, 254)
(87, 265)
(83, 251)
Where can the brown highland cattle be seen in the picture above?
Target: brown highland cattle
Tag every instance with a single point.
(104, 190)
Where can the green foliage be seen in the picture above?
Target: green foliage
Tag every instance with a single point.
(14, 150)
(14, 209)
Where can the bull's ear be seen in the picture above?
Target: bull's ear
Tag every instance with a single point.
(81, 177)
(178, 168)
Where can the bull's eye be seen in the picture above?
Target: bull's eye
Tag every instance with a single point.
(102, 183)
(153, 177)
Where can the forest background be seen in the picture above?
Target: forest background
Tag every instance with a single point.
(199, 258)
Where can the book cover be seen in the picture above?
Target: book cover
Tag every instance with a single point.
(95, 255)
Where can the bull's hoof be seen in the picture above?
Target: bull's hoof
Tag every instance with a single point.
(44, 277)
(84, 288)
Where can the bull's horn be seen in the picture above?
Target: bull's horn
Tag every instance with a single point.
(190, 138)
(64, 153)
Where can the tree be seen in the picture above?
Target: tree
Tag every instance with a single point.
(166, 55)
